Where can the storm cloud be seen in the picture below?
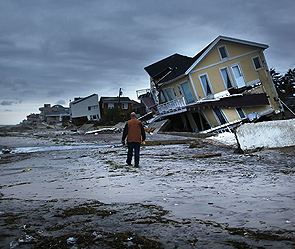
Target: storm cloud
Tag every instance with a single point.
(53, 51)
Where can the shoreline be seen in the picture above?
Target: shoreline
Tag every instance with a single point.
(173, 200)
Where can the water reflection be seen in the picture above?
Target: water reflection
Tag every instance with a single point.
(62, 147)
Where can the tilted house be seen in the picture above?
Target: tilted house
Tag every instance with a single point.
(85, 109)
(225, 83)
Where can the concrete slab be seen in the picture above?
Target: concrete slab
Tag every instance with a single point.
(270, 134)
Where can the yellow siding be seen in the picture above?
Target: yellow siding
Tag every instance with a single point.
(211, 65)
(231, 114)
(211, 118)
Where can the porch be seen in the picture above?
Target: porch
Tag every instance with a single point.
(172, 107)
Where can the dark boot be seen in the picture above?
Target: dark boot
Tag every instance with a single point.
(128, 161)
(136, 161)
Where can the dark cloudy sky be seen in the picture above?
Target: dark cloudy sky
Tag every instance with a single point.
(54, 50)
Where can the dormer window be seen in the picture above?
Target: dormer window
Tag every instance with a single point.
(223, 52)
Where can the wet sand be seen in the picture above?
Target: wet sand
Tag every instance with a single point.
(175, 199)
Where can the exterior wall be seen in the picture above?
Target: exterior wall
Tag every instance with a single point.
(80, 109)
(211, 64)
(119, 106)
(231, 114)
(178, 82)
(53, 119)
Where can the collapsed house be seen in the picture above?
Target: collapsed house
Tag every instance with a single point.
(225, 84)
(85, 109)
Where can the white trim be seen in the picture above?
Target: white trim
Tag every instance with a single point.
(166, 95)
(260, 61)
(181, 91)
(239, 114)
(205, 116)
(229, 39)
(225, 49)
(210, 86)
(221, 62)
(193, 85)
(241, 71)
(222, 113)
(229, 76)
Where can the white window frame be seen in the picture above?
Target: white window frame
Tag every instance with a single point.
(182, 93)
(223, 115)
(166, 95)
(92, 107)
(260, 62)
(124, 106)
(233, 74)
(229, 76)
(245, 116)
(225, 49)
(111, 105)
(209, 84)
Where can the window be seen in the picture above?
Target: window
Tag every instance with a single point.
(124, 106)
(206, 84)
(238, 75)
(223, 52)
(220, 115)
(226, 78)
(241, 112)
(111, 105)
(257, 63)
(185, 91)
(93, 107)
(169, 93)
(94, 117)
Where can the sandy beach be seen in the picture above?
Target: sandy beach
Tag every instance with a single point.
(61, 189)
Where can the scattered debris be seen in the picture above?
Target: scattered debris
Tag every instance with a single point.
(196, 144)
(6, 151)
(207, 155)
(71, 240)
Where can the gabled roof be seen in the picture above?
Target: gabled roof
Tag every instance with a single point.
(82, 99)
(115, 99)
(177, 65)
(169, 68)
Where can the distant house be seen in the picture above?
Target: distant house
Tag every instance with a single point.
(85, 109)
(54, 114)
(138, 108)
(33, 119)
(124, 104)
(221, 86)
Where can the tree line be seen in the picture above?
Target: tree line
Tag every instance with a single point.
(284, 83)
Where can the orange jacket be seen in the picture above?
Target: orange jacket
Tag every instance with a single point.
(134, 131)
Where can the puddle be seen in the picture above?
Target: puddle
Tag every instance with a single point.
(58, 148)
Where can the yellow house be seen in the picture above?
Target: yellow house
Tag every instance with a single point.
(227, 83)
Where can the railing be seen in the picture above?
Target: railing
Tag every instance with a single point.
(142, 92)
(172, 106)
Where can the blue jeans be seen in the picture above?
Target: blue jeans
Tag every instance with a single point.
(136, 147)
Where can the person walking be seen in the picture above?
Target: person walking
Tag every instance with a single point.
(135, 134)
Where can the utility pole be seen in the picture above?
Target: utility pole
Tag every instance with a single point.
(120, 93)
